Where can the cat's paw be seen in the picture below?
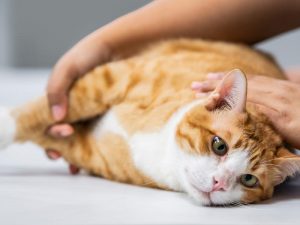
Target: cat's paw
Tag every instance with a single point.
(7, 128)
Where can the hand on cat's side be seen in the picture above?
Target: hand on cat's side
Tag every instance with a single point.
(278, 99)
(75, 63)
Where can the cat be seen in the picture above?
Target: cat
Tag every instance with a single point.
(137, 121)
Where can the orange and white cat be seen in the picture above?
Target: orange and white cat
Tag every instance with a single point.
(137, 121)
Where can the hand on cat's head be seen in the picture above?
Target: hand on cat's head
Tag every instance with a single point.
(277, 99)
(242, 155)
(231, 92)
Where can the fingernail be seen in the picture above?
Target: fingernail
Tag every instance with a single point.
(196, 85)
(65, 132)
(57, 112)
(201, 95)
(73, 169)
(53, 155)
(214, 76)
(215, 95)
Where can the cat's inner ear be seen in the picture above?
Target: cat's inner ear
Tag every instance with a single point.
(287, 164)
(230, 94)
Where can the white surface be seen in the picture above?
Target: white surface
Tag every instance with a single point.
(34, 190)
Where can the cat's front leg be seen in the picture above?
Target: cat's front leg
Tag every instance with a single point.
(90, 96)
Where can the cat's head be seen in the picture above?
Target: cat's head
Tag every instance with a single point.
(229, 154)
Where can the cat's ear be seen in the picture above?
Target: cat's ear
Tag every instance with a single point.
(230, 94)
(287, 164)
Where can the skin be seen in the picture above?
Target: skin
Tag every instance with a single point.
(279, 102)
(212, 19)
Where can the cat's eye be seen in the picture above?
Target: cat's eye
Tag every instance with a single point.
(249, 180)
(219, 146)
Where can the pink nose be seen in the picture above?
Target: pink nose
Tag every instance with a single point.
(219, 184)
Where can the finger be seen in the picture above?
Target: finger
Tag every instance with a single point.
(202, 95)
(73, 169)
(263, 98)
(53, 154)
(293, 74)
(205, 86)
(261, 91)
(61, 130)
(271, 113)
(215, 76)
(196, 85)
(212, 100)
(269, 92)
(58, 87)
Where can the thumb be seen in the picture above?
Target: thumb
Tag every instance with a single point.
(58, 104)
(58, 87)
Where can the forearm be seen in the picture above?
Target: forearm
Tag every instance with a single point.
(233, 20)
(247, 21)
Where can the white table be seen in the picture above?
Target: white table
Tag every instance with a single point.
(37, 191)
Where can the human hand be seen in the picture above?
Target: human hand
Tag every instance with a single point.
(293, 74)
(80, 59)
(277, 99)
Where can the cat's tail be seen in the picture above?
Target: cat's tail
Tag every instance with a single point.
(7, 127)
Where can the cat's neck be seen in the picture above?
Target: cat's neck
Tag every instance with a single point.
(156, 153)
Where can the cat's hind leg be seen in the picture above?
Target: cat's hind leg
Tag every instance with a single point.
(108, 157)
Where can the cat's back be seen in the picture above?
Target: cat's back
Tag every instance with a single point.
(200, 56)
(163, 72)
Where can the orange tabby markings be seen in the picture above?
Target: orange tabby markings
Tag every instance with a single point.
(145, 92)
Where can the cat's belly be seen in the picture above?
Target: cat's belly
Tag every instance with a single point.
(154, 154)
(109, 123)
(148, 151)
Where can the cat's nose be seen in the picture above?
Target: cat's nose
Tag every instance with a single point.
(219, 184)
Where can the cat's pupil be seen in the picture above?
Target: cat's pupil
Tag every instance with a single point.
(248, 177)
(221, 147)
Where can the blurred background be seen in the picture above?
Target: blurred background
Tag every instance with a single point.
(34, 190)
(35, 33)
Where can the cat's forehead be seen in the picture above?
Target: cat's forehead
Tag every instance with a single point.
(229, 126)
(239, 131)
(247, 131)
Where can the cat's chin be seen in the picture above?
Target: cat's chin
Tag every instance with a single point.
(204, 200)
(201, 200)
(199, 197)
(219, 198)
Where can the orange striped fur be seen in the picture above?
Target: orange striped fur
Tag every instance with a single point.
(144, 91)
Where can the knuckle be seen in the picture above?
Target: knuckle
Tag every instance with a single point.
(257, 78)
(285, 87)
(52, 94)
(283, 99)
(54, 97)
(284, 116)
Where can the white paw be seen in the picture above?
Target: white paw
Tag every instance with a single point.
(7, 128)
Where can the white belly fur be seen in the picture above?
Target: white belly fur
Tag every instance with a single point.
(154, 154)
